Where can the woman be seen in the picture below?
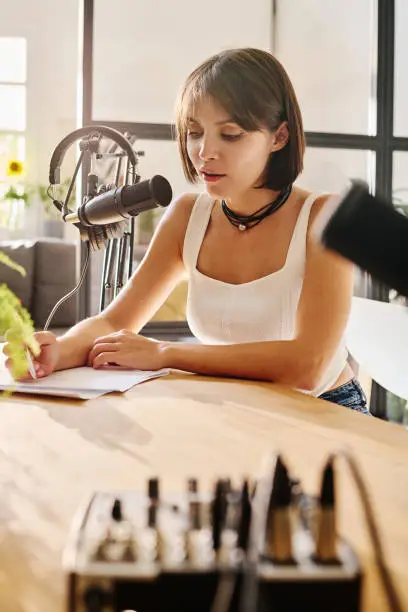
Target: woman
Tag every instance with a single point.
(266, 301)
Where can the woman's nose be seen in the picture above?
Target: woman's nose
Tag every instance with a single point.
(208, 149)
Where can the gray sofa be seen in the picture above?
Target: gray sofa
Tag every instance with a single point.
(50, 266)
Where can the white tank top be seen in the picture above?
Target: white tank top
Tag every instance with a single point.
(260, 310)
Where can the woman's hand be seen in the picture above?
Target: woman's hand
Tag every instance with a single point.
(127, 350)
(44, 363)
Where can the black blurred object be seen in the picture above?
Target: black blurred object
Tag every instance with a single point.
(370, 232)
(278, 545)
(117, 510)
(153, 492)
(281, 494)
(153, 489)
(218, 512)
(325, 531)
(244, 518)
(172, 576)
(327, 490)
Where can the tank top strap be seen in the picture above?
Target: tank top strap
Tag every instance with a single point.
(297, 247)
(196, 228)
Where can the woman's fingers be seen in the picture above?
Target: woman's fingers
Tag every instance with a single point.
(104, 358)
(100, 348)
(45, 337)
(25, 378)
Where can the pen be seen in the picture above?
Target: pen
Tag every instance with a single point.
(31, 368)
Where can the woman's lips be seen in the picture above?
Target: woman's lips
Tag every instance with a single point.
(210, 177)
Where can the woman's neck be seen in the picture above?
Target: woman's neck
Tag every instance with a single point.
(250, 202)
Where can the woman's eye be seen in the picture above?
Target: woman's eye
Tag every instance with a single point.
(191, 134)
(232, 136)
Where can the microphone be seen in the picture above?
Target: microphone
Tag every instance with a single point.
(368, 231)
(120, 203)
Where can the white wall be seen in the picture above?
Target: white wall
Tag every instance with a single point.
(51, 29)
(143, 56)
(143, 52)
(326, 47)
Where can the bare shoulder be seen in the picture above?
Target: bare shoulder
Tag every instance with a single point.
(174, 222)
(180, 208)
(316, 211)
(319, 204)
(313, 244)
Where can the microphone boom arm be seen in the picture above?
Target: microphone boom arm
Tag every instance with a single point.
(120, 248)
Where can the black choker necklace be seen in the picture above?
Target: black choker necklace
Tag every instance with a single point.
(244, 222)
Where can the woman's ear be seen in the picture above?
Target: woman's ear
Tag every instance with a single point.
(280, 137)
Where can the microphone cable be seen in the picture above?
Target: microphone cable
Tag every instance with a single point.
(73, 291)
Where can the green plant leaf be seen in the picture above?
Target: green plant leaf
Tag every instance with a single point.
(5, 259)
(16, 324)
(13, 194)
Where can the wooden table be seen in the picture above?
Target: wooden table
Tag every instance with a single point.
(53, 452)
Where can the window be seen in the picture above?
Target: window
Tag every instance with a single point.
(328, 49)
(13, 86)
(340, 57)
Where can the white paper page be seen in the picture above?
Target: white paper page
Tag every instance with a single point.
(82, 383)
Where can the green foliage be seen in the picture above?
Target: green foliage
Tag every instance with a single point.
(16, 324)
(27, 193)
(16, 194)
(61, 191)
(5, 259)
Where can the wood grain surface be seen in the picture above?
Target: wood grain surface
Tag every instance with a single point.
(55, 452)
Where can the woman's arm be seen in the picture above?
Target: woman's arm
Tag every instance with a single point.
(322, 315)
(160, 271)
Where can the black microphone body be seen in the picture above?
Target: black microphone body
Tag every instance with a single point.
(120, 203)
(371, 233)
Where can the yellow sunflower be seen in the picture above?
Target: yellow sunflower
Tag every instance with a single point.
(15, 168)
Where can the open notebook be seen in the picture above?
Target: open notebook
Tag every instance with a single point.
(80, 383)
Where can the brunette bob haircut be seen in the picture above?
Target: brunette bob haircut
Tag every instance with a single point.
(254, 89)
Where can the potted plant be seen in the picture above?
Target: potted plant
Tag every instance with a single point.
(15, 197)
(21, 194)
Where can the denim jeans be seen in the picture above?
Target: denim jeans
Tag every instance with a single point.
(350, 395)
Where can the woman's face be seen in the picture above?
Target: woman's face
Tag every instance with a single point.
(228, 159)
